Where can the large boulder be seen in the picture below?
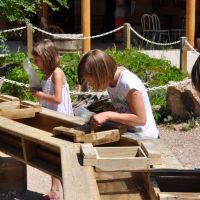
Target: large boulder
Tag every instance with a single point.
(182, 100)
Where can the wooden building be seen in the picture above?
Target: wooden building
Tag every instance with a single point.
(92, 17)
(102, 15)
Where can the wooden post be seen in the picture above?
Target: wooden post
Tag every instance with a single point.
(190, 20)
(127, 35)
(29, 40)
(183, 55)
(86, 24)
(45, 12)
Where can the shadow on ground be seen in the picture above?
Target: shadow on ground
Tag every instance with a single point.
(28, 195)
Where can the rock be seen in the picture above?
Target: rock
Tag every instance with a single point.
(182, 100)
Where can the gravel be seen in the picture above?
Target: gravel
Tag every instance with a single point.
(185, 145)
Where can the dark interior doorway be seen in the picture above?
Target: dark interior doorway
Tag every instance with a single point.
(109, 19)
(64, 17)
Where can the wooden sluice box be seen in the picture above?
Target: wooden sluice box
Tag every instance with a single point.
(50, 142)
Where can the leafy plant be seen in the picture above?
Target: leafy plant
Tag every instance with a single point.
(69, 63)
(19, 75)
(21, 11)
(155, 72)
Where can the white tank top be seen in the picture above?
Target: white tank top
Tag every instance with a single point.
(65, 106)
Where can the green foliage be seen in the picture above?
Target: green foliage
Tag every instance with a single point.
(17, 74)
(21, 10)
(69, 63)
(18, 57)
(3, 46)
(158, 97)
(153, 71)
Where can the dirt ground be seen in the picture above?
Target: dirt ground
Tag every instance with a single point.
(184, 145)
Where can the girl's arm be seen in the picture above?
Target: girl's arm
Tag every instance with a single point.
(136, 118)
(58, 81)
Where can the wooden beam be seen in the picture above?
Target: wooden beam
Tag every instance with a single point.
(29, 41)
(86, 24)
(96, 138)
(115, 158)
(78, 181)
(45, 12)
(190, 20)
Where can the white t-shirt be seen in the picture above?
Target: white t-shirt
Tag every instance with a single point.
(126, 82)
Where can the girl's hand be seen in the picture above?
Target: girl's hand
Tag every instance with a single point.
(98, 119)
(38, 94)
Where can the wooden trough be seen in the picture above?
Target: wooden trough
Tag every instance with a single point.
(115, 169)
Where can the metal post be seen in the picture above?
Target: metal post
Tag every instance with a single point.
(127, 35)
(183, 54)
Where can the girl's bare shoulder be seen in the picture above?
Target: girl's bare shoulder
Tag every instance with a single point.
(58, 73)
(58, 70)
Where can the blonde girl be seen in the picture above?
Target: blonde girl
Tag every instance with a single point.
(127, 92)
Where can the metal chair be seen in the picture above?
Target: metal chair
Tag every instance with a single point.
(147, 26)
(160, 35)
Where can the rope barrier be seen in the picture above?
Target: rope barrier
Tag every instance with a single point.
(152, 42)
(16, 83)
(13, 29)
(78, 37)
(93, 93)
(191, 47)
(62, 36)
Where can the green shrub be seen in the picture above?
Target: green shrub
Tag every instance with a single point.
(153, 71)
(17, 74)
(69, 63)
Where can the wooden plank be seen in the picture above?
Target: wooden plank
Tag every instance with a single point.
(9, 105)
(37, 107)
(46, 116)
(118, 159)
(150, 149)
(96, 138)
(55, 117)
(118, 151)
(18, 113)
(105, 176)
(4, 97)
(150, 184)
(122, 164)
(71, 132)
(152, 152)
(78, 181)
(88, 151)
(121, 189)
